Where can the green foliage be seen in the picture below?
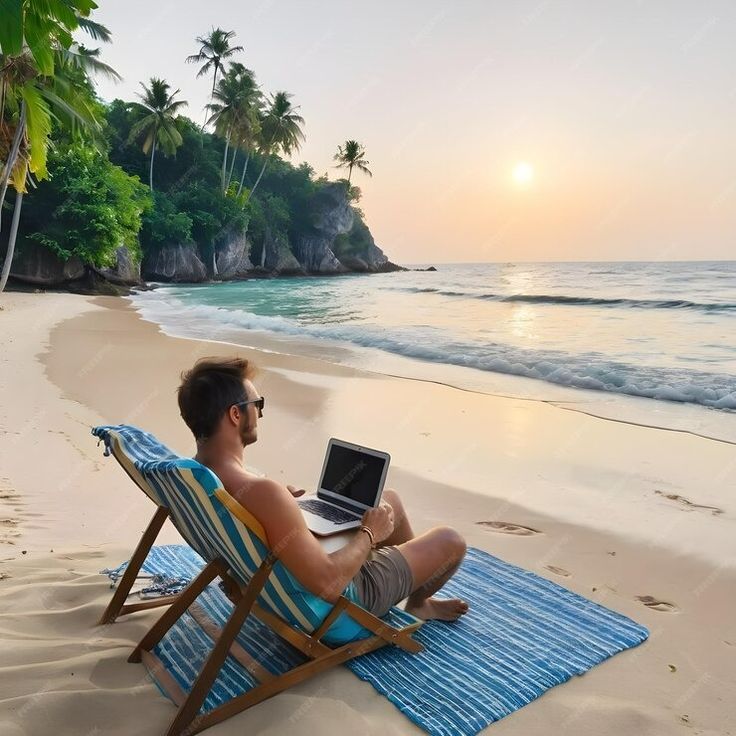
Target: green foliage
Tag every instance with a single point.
(269, 211)
(163, 224)
(213, 48)
(87, 208)
(43, 74)
(352, 156)
(211, 211)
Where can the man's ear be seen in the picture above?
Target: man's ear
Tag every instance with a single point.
(234, 415)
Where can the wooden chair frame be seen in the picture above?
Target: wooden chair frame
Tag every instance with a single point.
(117, 605)
(320, 656)
(188, 720)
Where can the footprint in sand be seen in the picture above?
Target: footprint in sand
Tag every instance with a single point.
(656, 605)
(558, 570)
(690, 504)
(505, 527)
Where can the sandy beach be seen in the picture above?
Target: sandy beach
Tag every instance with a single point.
(639, 519)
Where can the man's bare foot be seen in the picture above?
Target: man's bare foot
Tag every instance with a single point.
(438, 608)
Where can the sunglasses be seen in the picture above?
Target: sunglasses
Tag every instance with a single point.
(260, 403)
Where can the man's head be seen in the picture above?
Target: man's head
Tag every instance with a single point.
(212, 398)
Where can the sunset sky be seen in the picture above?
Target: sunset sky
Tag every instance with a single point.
(623, 114)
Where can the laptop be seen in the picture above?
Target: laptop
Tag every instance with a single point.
(351, 482)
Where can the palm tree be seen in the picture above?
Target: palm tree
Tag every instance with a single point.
(158, 126)
(234, 112)
(280, 130)
(352, 155)
(214, 49)
(247, 127)
(49, 76)
(248, 137)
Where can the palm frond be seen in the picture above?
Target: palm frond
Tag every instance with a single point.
(96, 30)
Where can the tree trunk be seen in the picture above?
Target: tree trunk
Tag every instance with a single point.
(232, 166)
(150, 172)
(224, 159)
(350, 173)
(12, 156)
(212, 96)
(11, 239)
(263, 168)
(242, 176)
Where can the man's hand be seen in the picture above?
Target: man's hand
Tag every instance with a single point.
(380, 521)
(296, 492)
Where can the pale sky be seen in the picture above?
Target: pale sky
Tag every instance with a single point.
(624, 110)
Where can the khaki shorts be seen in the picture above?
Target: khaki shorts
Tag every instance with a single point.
(383, 581)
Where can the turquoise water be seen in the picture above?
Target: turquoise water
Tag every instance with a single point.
(664, 331)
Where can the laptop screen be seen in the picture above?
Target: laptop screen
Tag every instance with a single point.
(352, 474)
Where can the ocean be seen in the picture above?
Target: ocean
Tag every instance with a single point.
(665, 332)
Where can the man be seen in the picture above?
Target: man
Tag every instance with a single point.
(221, 406)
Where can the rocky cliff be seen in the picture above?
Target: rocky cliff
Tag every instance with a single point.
(177, 263)
(335, 240)
(332, 216)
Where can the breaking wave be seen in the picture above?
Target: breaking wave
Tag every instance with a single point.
(587, 371)
(577, 300)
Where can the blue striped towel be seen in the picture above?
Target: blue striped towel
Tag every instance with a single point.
(523, 635)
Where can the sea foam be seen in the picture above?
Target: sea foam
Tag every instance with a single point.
(585, 371)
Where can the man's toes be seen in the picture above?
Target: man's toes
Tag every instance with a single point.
(461, 607)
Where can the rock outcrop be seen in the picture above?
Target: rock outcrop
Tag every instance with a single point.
(34, 264)
(232, 255)
(332, 216)
(174, 263)
(125, 272)
(358, 251)
(279, 259)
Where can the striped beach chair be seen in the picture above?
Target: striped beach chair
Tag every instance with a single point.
(234, 545)
(124, 443)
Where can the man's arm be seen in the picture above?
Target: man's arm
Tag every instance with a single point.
(324, 575)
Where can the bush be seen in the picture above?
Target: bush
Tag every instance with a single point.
(87, 208)
(164, 224)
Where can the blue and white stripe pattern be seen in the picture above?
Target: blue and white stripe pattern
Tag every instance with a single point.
(194, 497)
(523, 635)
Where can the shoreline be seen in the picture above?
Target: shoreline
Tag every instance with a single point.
(571, 515)
(256, 330)
(557, 403)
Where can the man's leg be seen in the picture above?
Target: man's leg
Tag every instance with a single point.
(433, 558)
(402, 528)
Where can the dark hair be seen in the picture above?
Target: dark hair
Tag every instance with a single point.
(209, 389)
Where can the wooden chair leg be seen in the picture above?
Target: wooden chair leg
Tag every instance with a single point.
(399, 637)
(202, 685)
(283, 682)
(117, 602)
(164, 600)
(170, 617)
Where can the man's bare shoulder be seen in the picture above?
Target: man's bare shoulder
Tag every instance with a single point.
(257, 494)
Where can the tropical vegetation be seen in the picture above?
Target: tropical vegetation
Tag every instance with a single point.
(350, 156)
(81, 162)
(157, 121)
(44, 77)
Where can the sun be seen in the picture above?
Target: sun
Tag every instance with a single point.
(523, 173)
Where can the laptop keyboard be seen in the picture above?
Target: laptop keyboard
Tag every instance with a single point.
(327, 511)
